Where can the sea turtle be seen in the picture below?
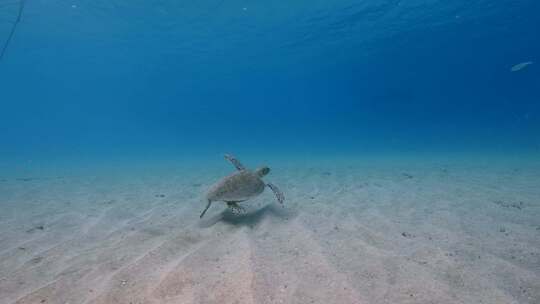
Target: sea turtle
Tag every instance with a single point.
(240, 186)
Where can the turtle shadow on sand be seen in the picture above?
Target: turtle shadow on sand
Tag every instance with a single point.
(250, 219)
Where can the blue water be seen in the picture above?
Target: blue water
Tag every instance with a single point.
(404, 135)
(157, 79)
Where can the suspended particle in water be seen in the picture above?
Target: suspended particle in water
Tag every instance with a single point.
(520, 66)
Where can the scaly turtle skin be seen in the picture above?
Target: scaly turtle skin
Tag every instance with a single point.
(240, 186)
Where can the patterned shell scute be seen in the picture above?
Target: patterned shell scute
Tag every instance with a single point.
(239, 186)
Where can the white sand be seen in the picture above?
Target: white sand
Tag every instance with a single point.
(350, 233)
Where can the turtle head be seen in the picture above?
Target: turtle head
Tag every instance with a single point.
(262, 171)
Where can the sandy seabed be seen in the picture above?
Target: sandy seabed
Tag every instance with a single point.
(438, 232)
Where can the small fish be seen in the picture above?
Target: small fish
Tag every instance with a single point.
(520, 66)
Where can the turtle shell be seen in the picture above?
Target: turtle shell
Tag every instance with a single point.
(237, 187)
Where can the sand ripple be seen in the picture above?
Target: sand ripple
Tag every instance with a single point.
(348, 235)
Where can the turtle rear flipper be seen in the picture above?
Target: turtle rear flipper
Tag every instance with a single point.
(207, 206)
(279, 195)
(235, 208)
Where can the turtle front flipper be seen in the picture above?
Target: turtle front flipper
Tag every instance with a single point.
(207, 206)
(279, 195)
(235, 208)
(235, 162)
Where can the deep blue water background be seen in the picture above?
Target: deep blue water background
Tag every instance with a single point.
(116, 78)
